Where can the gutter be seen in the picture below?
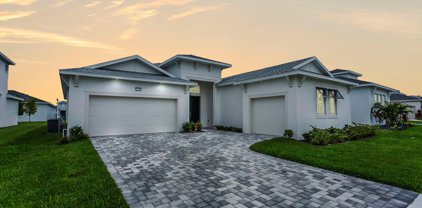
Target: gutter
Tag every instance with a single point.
(127, 78)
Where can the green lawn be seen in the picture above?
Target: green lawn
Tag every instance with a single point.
(35, 172)
(391, 157)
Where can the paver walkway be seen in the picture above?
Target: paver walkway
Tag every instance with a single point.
(217, 169)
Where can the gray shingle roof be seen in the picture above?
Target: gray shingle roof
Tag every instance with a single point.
(198, 57)
(27, 97)
(265, 72)
(362, 82)
(125, 74)
(338, 71)
(401, 96)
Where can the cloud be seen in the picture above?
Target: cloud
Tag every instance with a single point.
(30, 36)
(114, 3)
(193, 12)
(376, 21)
(128, 33)
(6, 15)
(138, 11)
(61, 3)
(92, 4)
(18, 2)
(32, 62)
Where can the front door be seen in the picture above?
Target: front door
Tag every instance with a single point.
(195, 102)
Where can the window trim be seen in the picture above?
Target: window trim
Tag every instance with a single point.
(327, 95)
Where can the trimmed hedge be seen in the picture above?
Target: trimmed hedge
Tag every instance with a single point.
(335, 135)
(229, 128)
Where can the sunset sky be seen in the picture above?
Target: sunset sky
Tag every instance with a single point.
(380, 39)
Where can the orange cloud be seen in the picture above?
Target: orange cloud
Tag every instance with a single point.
(30, 36)
(18, 2)
(7, 15)
(192, 12)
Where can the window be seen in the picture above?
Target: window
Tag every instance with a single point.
(329, 96)
(195, 90)
(320, 102)
(378, 98)
(20, 109)
(332, 102)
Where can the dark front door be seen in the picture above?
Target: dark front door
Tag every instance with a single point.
(195, 102)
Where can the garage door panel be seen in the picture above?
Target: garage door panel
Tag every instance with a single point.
(268, 115)
(125, 115)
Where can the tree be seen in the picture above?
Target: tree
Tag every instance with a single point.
(30, 108)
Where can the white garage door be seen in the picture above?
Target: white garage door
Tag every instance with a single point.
(126, 115)
(268, 115)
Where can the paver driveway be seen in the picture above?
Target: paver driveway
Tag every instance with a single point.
(215, 169)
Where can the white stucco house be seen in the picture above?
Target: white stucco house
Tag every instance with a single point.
(132, 95)
(8, 103)
(414, 101)
(45, 110)
(364, 95)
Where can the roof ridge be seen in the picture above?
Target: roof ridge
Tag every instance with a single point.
(262, 69)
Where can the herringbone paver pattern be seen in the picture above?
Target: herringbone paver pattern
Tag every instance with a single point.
(217, 169)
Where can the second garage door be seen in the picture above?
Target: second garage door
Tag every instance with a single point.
(268, 115)
(127, 115)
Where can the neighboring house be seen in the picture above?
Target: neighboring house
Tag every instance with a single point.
(364, 95)
(132, 95)
(45, 110)
(62, 109)
(8, 103)
(415, 103)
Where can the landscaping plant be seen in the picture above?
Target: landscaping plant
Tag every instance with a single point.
(192, 126)
(229, 128)
(394, 114)
(77, 133)
(29, 108)
(333, 135)
(288, 133)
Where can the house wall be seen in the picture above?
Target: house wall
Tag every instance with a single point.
(3, 89)
(44, 113)
(363, 98)
(7, 106)
(133, 66)
(187, 70)
(228, 106)
(362, 102)
(206, 103)
(78, 99)
(300, 104)
(12, 107)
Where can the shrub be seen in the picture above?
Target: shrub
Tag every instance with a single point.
(192, 126)
(77, 133)
(320, 137)
(229, 128)
(335, 135)
(288, 133)
(187, 126)
(359, 131)
(62, 140)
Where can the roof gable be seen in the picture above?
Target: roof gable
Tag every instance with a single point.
(313, 65)
(6, 59)
(133, 63)
(194, 58)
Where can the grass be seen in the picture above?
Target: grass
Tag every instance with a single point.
(391, 157)
(35, 172)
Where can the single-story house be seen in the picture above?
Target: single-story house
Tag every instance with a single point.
(45, 110)
(414, 101)
(132, 95)
(364, 95)
(8, 103)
